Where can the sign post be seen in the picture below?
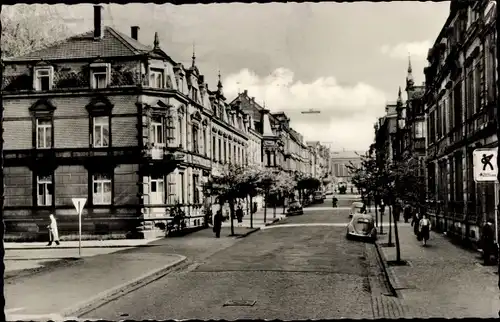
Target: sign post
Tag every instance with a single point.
(79, 204)
(486, 170)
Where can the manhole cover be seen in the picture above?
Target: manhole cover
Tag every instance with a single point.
(240, 303)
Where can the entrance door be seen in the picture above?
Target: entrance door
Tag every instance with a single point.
(157, 196)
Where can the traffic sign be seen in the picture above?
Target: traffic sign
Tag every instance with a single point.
(79, 203)
(485, 165)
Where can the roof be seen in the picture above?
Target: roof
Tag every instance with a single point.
(112, 44)
(346, 154)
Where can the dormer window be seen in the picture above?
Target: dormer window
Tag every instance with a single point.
(156, 78)
(43, 78)
(99, 75)
(194, 94)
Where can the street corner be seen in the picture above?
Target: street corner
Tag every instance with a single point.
(111, 294)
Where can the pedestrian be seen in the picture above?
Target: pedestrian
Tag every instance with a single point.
(217, 223)
(488, 241)
(407, 213)
(396, 209)
(53, 231)
(334, 201)
(239, 214)
(415, 223)
(425, 227)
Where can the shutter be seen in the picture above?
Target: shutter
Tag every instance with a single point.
(145, 191)
(145, 129)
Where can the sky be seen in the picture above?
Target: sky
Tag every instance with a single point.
(346, 60)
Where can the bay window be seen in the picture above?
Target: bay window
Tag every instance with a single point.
(157, 131)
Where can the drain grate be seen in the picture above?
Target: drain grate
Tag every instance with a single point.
(240, 303)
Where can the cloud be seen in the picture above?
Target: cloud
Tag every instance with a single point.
(347, 112)
(400, 51)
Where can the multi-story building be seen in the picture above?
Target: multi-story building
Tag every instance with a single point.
(104, 117)
(460, 106)
(340, 160)
(322, 165)
(386, 144)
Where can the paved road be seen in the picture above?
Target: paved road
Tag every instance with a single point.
(295, 272)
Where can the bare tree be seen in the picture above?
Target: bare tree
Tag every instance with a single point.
(26, 28)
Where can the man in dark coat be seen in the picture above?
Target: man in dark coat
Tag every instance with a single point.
(396, 209)
(488, 240)
(218, 223)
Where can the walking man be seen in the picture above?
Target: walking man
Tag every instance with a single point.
(217, 223)
(425, 227)
(488, 240)
(53, 231)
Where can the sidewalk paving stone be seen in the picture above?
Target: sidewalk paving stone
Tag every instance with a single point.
(441, 279)
(85, 244)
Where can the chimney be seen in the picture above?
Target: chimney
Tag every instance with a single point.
(134, 32)
(245, 92)
(98, 27)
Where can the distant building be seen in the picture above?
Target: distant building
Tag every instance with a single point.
(339, 162)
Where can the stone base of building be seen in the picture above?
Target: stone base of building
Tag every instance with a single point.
(457, 231)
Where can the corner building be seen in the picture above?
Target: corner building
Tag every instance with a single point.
(104, 117)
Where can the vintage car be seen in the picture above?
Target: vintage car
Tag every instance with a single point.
(362, 226)
(295, 208)
(318, 197)
(357, 207)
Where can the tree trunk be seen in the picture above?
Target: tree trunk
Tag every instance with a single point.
(231, 214)
(381, 222)
(376, 214)
(265, 206)
(396, 236)
(251, 211)
(247, 199)
(390, 227)
(284, 204)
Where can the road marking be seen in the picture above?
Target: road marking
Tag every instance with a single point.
(320, 225)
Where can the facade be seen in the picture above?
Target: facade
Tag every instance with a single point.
(339, 162)
(104, 117)
(385, 135)
(320, 161)
(460, 106)
(282, 147)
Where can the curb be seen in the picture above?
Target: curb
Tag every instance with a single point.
(121, 290)
(258, 228)
(76, 247)
(389, 276)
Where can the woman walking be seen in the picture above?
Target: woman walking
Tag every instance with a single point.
(53, 231)
(425, 227)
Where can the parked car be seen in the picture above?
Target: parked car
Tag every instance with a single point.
(362, 226)
(357, 207)
(328, 193)
(295, 208)
(318, 197)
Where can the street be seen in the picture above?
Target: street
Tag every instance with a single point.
(284, 272)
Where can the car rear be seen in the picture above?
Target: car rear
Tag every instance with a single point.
(362, 227)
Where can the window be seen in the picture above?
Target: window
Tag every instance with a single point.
(183, 195)
(45, 190)
(268, 154)
(220, 150)
(477, 88)
(157, 190)
(101, 193)
(225, 151)
(180, 132)
(470, 94)
(156, 78)
(170, 129)
(491, 72)
(457, 103)
(214, 143)
(439, 121)
(205, 143)
(194, 94)
(43, 134)
(101, 131)
(451, 112)
(43, 79)
(99, 76)
(196, 193)
(195, 138)
(419, 129)
(157, 132)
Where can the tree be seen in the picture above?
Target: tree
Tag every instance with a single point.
(26, 28)
(250, 187)
(306, 185)
(266, 182)
(283, 187)
(227, 187)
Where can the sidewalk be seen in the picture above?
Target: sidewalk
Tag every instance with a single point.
(85, 244)
(67, 290)
(441, 279)
(258, 219)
